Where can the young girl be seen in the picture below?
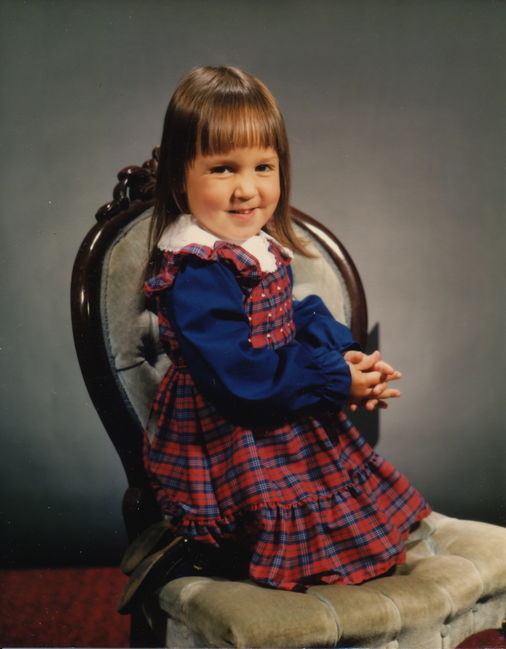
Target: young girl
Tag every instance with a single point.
(251, 445)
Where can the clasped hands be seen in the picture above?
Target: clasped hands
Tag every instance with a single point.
(370, 376)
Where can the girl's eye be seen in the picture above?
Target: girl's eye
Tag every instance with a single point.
(264, 167)
(221, 169)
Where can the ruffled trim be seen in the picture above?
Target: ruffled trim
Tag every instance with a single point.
(186, 231)
(244, 265)
(274, 563)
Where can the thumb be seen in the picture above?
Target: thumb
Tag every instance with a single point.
(368, 361)
(353, 356)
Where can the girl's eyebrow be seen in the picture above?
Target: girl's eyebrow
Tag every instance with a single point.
(224, 159)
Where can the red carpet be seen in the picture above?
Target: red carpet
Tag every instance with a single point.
(62, 607)
(76, 607)
(491, 639)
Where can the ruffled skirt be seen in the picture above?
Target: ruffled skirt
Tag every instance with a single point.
(312, 501)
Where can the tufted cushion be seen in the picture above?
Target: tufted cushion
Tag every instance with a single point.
(452, 585)
(132, 331)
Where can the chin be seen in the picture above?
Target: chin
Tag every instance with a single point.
(246, 233)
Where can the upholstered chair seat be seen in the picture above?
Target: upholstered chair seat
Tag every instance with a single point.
(452, 585)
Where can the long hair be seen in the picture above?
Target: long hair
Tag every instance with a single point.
(212, 111)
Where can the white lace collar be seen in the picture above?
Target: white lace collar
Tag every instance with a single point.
(186, 230)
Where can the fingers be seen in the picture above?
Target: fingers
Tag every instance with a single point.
(353, 356)
(370, 381)
(373, 380)
(383, 391)
(384, 367)
(389, 393)
(388, 371)
(375, 404)
(369, 404)
(372, 361)
(379, 388)
(363, 362)
(377, 401)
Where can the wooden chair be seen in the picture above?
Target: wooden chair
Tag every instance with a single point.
(453, 583)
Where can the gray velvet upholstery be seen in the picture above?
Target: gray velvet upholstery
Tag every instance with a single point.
(452, 585)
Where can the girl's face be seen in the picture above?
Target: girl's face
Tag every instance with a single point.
(234, 194)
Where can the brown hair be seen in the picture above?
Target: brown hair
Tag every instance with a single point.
(214, 110)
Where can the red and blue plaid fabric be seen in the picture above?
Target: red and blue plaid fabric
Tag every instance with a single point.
(310, 498)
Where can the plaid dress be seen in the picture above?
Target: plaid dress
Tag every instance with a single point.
(304, 492)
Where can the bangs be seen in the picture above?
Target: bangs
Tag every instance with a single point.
(223, 128)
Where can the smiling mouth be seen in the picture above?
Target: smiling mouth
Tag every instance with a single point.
(247, 212)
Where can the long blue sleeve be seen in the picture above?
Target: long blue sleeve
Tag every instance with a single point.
(317, 327)
(205, 307)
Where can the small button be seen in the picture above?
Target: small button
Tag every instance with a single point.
(268, 335)
(269, 315)
(263, 294)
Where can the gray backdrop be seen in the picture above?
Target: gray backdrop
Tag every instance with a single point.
(396, 112)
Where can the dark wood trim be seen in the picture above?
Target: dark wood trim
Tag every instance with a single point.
(89, 338)
(124, 430)
(134, 184)
(344, 262)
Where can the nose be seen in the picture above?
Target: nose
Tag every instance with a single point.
(245, 187)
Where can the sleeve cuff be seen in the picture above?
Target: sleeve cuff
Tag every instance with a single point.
(337, 375)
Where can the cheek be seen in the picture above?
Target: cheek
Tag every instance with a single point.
(275, 193)
(210, 195)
